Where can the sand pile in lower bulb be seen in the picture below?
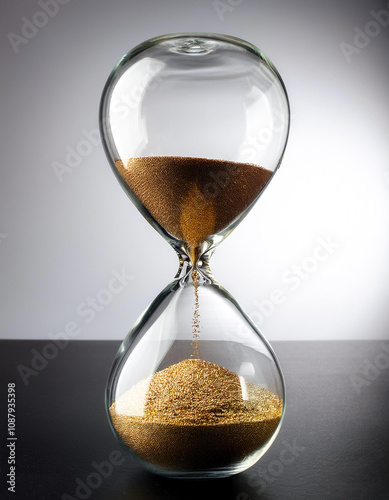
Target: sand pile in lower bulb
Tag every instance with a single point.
(192, 416)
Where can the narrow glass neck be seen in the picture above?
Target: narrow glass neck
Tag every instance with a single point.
(186, 269)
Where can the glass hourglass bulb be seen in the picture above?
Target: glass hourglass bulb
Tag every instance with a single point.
(194, 125)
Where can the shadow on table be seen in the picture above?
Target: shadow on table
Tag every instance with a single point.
(148, 486)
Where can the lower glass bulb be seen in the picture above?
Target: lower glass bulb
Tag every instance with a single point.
(195, 402)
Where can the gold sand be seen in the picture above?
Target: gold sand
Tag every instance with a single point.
(192, 415)
(193, 198)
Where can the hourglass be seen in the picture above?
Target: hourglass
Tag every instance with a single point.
(194, 125)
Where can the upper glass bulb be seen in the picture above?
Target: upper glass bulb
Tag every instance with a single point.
(194, 124)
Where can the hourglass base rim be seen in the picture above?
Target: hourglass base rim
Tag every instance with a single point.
(216, 473)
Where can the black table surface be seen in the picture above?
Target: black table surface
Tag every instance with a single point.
(333, 443)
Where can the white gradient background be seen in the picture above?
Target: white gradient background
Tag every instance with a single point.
(60, 241)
